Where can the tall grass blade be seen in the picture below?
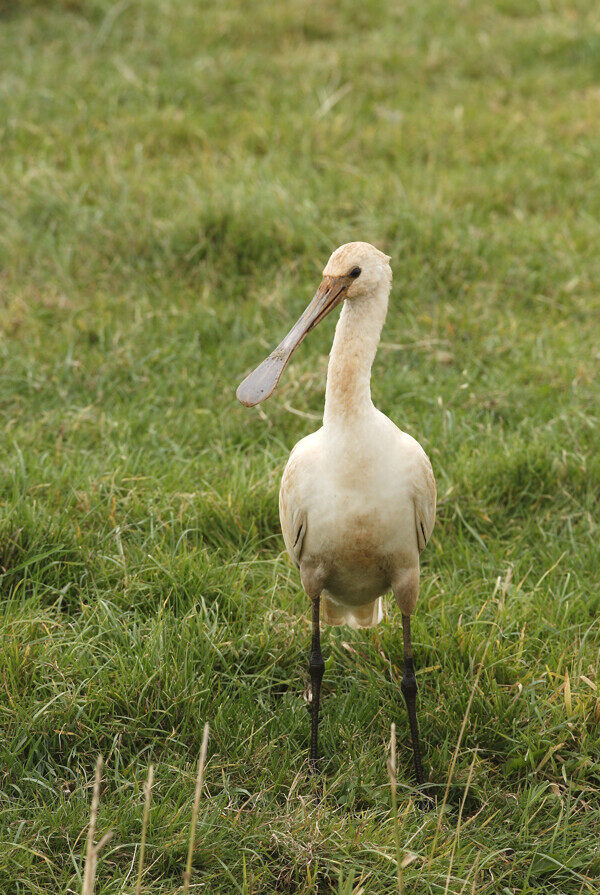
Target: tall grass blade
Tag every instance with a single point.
(460, 813)
(391, 766)
(456, 751)
(148, 792)
(187, 876)
(91, 855)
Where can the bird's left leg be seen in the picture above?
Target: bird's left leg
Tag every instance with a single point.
(316, 667)
(408, 686)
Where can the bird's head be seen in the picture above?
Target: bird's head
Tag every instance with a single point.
(360, 268)
(354, 271)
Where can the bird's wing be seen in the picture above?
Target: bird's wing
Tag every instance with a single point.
(295, 484)
(425, 501)
(293, 526)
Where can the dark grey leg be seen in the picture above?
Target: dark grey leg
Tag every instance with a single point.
(317, 667)
(409, 689)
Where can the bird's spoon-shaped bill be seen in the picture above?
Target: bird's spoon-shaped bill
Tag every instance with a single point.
(262, 382)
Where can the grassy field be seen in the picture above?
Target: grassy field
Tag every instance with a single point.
(173, 178)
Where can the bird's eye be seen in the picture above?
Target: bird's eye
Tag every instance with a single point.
(355, 272)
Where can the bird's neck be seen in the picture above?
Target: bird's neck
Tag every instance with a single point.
(357, 334)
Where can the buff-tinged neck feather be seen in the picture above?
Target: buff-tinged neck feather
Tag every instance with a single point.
(357, 334)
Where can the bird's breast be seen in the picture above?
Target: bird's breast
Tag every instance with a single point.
(356, 493)
(357, 544)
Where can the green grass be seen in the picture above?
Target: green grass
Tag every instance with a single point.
(174, 176)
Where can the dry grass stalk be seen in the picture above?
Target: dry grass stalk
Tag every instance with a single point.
(91, 855)
(475, 871)
(393, 780)
(460, 813)
(187, 876)
(567, 693)
(148, 791)
(456, 751)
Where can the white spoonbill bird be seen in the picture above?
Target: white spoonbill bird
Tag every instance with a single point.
(357, 498)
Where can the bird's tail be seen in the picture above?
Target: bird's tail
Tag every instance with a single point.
(367, 616)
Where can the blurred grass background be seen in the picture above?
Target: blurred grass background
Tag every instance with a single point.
(174, 176)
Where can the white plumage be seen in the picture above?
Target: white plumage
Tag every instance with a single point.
(357, 499)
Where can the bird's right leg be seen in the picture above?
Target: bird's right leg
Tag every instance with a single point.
(316, 667)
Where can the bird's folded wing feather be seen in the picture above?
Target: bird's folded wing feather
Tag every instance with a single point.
(293, 527)
(297, 483)
(425, 502)
(293, 519)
